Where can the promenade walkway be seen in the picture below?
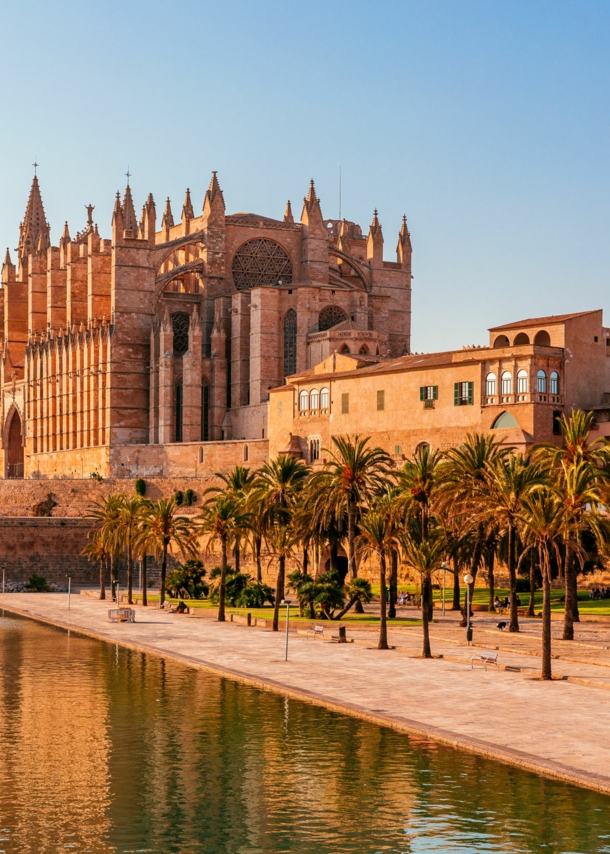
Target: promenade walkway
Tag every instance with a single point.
(560, 728)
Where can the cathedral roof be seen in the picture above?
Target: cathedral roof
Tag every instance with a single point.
(253, 217)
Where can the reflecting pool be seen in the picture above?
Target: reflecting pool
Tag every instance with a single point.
(107, 750)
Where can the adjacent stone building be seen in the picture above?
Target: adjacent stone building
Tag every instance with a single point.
(531, 373)
(153, 352)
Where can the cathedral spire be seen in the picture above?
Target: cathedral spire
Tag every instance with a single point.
(168, 217)
(35, 225)
(288, 217)
(187, 207)
(312, 212)
(374, 241)
(404, 249)
(8, 269)
(214, 203)
(129, 213)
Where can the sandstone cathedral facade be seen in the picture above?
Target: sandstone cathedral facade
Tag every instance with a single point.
(154, 351)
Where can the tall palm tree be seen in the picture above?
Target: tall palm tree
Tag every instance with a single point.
(378, 535)
(105, 517)
(161, 529)
(222, 519)
(507, 481)
(348, 482)
(275, 493)
(424, 557)
(235, 484)
(462, 477)
(416, 485)
(130, 515)
(541, 520)
(96, 550)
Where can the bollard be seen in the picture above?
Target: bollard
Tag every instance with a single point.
(249, 618)
(342, 637)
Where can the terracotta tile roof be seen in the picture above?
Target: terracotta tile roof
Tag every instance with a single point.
(541, 321)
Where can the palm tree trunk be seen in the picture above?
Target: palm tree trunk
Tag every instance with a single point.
(546, 616)
(223, 580)
(393, 584)
(351, 541)
(163, 574)
(383, 624)
(491, 557)
(568, 614)
(305, 560)
(427, 653)
(144, 581)
(259, 566)
(102, 581)
(574, 581)
(279, 591)
(237, 557)
(129, 575)
(532, 603)
(456, 604)
(512, 574)
(113, 577)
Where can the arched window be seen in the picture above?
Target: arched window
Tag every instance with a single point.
(507, 382)
(541, 382)
(345, 351)
(303, 401)
(314, 449)
(543, 339)
(490, 384)
(505, 421)
(180, 326)
(522, 382)
(290, 343)
(14, 453)
(246, 453)
(324, 400)
(314, 399)
(330, 316)
(363, 351)
(501, 341)
(205, 412)
(179, 410)
(521, 338)
(554, 383)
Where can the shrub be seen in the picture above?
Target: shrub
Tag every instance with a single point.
(189, 497)
(179, 497)
(187, 581)
(140, 486)
(523, 585)
(254, 595)
(37, 584)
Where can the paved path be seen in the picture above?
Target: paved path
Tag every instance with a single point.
(560, 728)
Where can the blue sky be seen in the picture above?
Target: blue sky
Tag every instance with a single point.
(486, 122)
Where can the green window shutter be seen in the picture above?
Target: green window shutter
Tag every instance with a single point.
(435, 392)
(345, 403)
(470, 394)
(456, 394)
(380, 400)
(422, 392)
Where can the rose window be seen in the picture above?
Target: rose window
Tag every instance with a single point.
(261, 262)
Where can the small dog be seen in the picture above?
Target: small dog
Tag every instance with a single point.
(502, 625)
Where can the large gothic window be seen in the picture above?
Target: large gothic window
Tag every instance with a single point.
(330, 316)
(290, 343)
(180, 325)
(261, 262)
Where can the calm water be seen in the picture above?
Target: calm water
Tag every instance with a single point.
(106, 750)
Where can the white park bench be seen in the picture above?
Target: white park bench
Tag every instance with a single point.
(484, 658)
(122, 615)
(317, 631)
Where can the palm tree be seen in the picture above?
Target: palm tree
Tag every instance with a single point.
(348, 483)
(96, 550)
(130, 515)
(378, 534)
(462, 476)
(425, 557)
(161, 528)
(416, 485)
(275, 493)
(542, 523)
(105, 516)
(507, 481)
(222, 520)
(236, 484)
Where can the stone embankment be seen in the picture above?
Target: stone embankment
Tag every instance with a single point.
(554, 728)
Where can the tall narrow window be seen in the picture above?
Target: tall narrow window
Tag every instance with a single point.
(507, 382)
(205, 412)
(554, 383)
(345, 403)
(380, 400)
(324, 400)
(522, 382)
(314, 399)
(290, 343)
(303, 401)
(541, 382)
(179, 410)
(180, 327)
(490, 384)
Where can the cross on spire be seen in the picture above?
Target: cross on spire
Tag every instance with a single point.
(128, 175)
(35, 165)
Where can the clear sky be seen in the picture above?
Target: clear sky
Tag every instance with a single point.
(486, 122)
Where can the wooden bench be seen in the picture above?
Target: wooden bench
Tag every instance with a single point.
(122, 615)
(484, 658)
(317, 631)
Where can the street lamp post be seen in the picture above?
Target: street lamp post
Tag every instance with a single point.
(468, 579)
(286, 602)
